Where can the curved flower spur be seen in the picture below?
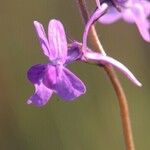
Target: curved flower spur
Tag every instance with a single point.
(54, 76)
(102, 58)
(131, 11)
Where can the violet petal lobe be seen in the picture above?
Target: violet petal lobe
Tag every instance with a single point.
(42, 38)
(74, 52)
(57, 40)
(50, 77)
(41, 96)
(69, 86)
(109, 60)
(142, 21)
(111, 16)
(36, 72)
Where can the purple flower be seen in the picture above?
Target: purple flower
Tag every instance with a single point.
(132, 11)
(54, 77)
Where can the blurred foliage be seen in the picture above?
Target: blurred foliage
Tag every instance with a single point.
(90, 123)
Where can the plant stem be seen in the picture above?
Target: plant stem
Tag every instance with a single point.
(123, 105)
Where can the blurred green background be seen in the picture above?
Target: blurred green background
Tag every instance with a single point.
(90, 123)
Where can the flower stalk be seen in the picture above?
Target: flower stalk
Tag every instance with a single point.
(123, 104)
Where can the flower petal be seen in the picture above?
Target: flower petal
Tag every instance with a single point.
(109, 60)
(50, 77)
(41, 96)
(42, 38)
(57, 40)
(141, 20)
(36, 72)
(111, 16)
(69, 86)
(74, 52)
